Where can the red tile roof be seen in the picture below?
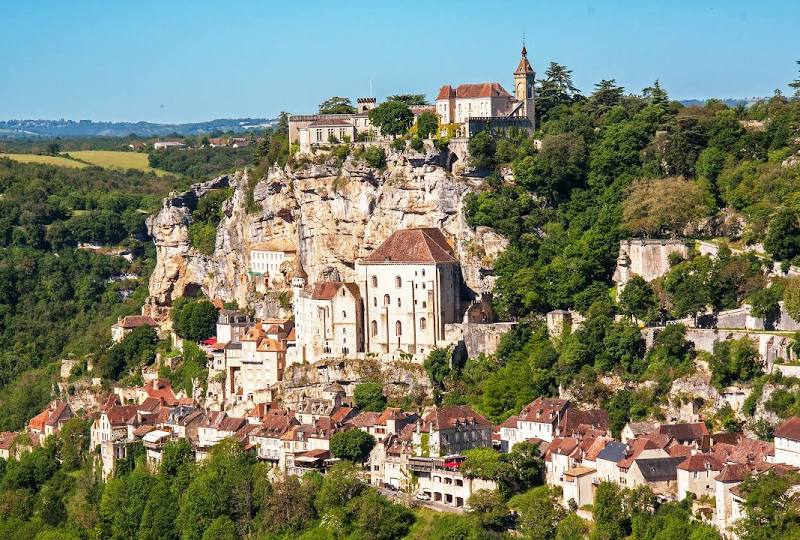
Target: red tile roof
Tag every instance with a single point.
(59, 412)
(789, 429)
(446, 92)
(544, 410)
(325, 290)
(733, 472)
(524, 67)
(454, 415)
(701, 462)
(37, 422)
(135, 321)
(473, 90)
(427, 245)
(685, 432)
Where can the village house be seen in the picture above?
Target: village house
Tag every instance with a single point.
(232, 325)
(126, 325)
(442, 481)
(451, 430)
(164, 145)
(694, 434)
(314, 130)
(213, 429)
(329, 320)
(49, 422)
(267, 260)
(537, 420)
(253, 363)
(660, 473)
(787, 442)
(411, 288)
(634, 430)
(475, 107)
(696, 475)
(154, 442)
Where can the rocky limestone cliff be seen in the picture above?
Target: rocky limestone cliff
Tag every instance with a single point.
(335, 215)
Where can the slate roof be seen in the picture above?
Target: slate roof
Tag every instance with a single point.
(685, 432)
(415, 246)
(449, 417)
(524, 67)
(659, 469)
(614, 452)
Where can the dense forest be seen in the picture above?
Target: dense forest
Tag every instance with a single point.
(56, 300)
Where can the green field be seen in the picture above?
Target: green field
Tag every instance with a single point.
(49, 160)
(116, 160)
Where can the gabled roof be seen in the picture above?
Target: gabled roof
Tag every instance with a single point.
(61, 411)
(326, 290)
(659, 469)
(701, 462)
(415, 246)
(473, 90)
(37, 422)
(365, 419)
(543, 410)
(135, 321)
(454, 415)
(685, 432)
(733, 472)
(789, 429)
(573, 418)
(614, 452)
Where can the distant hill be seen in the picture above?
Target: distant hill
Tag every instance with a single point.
(730, 102)
(17, 129)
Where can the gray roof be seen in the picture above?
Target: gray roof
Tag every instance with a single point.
(659, 469)
(614, 452)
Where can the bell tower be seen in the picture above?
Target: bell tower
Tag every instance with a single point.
(524, 90)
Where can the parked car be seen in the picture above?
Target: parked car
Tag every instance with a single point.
(423, 496)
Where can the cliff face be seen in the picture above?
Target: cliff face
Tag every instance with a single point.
(334, 215)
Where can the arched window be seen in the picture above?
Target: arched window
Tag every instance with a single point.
(374, 281)
(374, 328)
(424, 304)
(343, 291)
(398, 301)
(344, 314)
(398, 282)
(386, 300)
(423, 323)
(375, 301)
(398, 328)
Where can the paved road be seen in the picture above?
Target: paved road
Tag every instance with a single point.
(406, 498)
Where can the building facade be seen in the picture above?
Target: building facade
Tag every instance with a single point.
(411, 288)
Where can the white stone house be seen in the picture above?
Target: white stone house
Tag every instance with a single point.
(696, 475)
(787, 442)
(265, 262)
(451, 430)
(328, 321)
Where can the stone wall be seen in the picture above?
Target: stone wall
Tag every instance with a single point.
(478, 338)
(771, 347)
(646, 258)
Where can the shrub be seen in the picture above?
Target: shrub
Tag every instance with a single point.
(417, 144)
(398, 145)
(375, 156)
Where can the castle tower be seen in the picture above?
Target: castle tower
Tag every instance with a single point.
(524, 89)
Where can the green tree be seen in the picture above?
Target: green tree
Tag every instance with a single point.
(437, 364)
(353, 445)
(795, 84)
(540, 512)
(482, 147)
(222, 528)
(176, 453)
(368, 396)
(375, 517)
(783, 238)
(409, 99)
(336, 105)
(572, 527)
(194, 320)
(607, 510)
(489, 508)
(770, 508)
(375, 157)
(427, 124)
(289, 504)
(791, 297)
(664, 206)
(392, 118)
(555, 90)
(74, 436)
(158, 516)
(638, 300)
(734, 361)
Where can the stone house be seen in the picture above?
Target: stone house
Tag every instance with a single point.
(787, 442)
(329, 321)
(634, 430)
(607, 460)
(660, 473)
(578, 486)
(693, 434)
(266, 260)
(216, 427)
(444, 483)
(126, 325)
(451, 430)
(696, 475)
(232, 326)
(539, 419)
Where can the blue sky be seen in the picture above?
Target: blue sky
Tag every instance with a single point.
(180, 61)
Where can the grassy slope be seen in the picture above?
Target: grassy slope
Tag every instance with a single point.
(117, 160)
(48, 160)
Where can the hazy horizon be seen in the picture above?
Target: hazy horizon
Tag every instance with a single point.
(171, 63)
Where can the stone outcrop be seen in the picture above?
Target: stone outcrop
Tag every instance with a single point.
(334, 214)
